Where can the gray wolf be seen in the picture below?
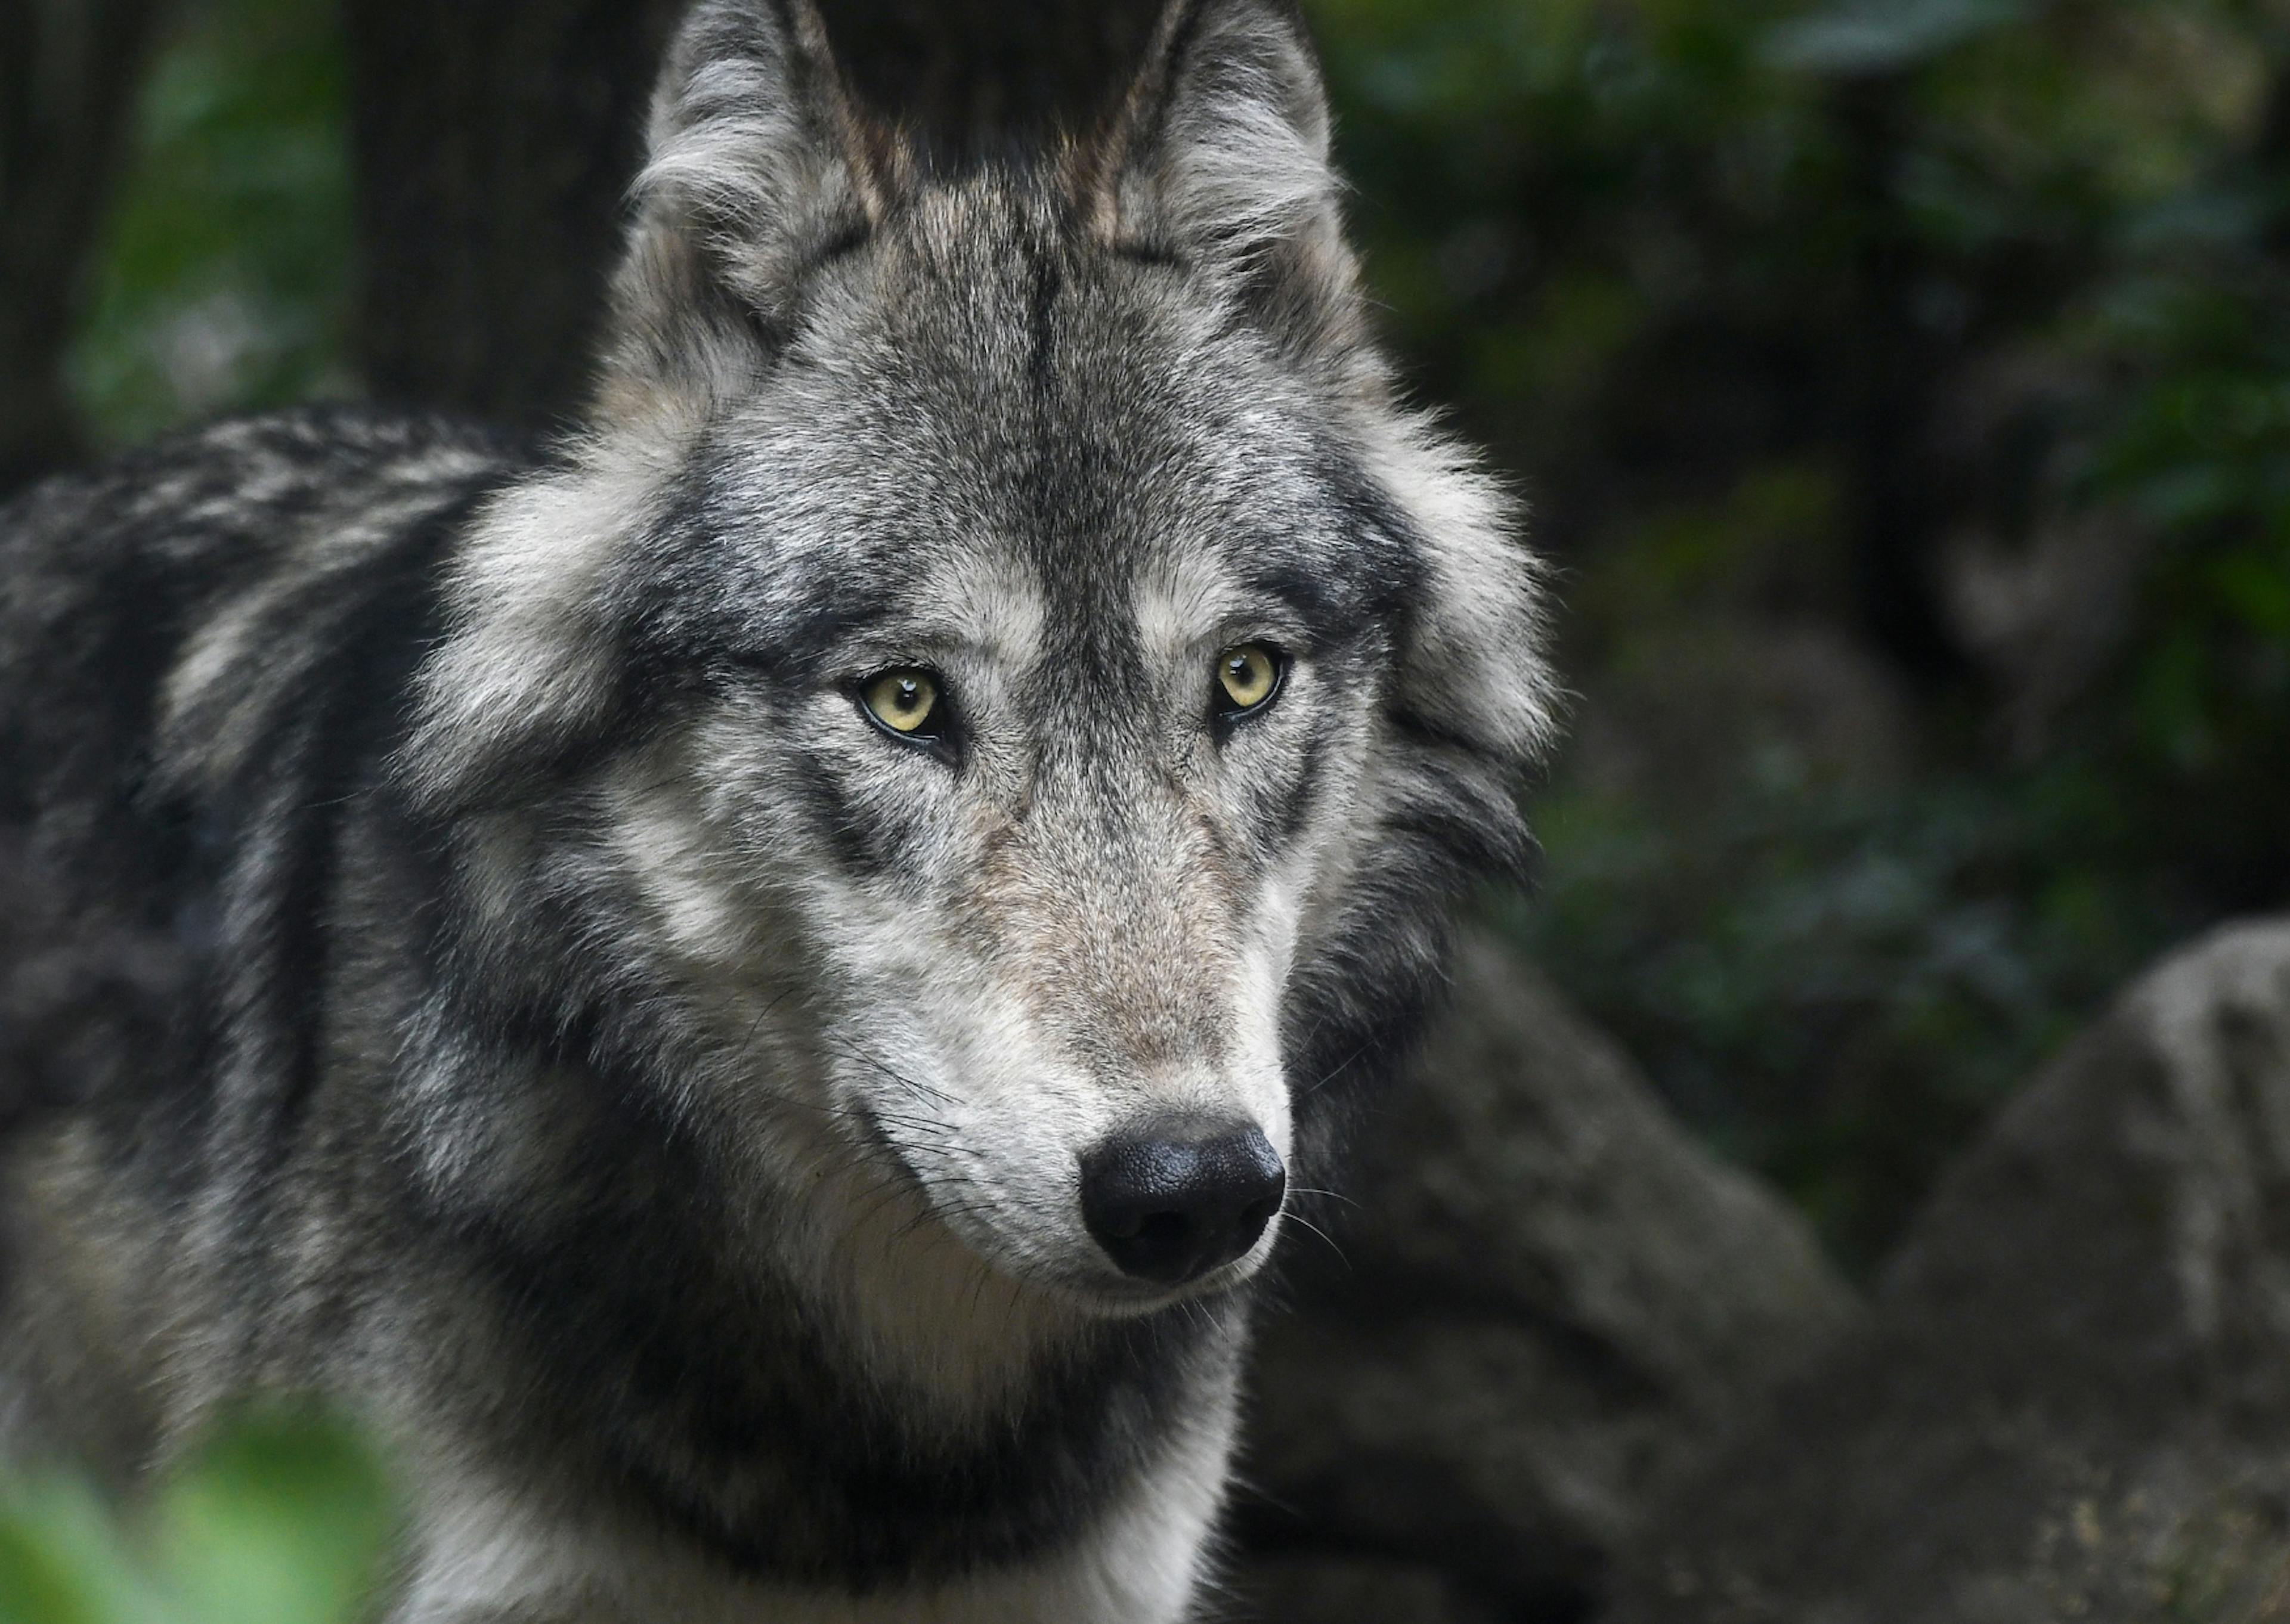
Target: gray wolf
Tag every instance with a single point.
(760, 982)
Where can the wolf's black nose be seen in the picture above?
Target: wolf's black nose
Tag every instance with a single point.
(1175, 1201)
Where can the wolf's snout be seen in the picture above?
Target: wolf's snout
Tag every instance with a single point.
(1176, 1200)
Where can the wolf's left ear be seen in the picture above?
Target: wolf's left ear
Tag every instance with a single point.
(760, 166)
(1219, 157)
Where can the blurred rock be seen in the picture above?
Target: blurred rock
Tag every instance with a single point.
(2036, 582)
(2074, 1401)
(1553, 1301)
(1685, 717)
(1349, 1590)
(2044, 619)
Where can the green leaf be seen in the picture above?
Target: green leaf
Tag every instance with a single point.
(282, 1520)
(64, 1561)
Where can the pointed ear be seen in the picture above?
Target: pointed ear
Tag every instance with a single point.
(760, 166)
(1219, 157)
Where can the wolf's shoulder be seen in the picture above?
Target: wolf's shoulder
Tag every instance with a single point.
(169, 617)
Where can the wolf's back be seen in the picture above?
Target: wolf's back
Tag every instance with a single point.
(165, 618)
(201, 649)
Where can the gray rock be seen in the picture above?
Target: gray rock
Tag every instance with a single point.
(1348, 1590)
(1550, 1299)
(1689, 715)
(2074, 1399)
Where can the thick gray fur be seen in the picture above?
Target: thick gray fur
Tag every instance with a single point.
(576, 1037)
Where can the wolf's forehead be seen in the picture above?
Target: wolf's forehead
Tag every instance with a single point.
(1015, 574)
(1043, 448)
(1020, 606)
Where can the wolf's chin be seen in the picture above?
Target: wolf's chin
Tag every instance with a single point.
(1103, 1294)
(1136, 1300)
(1092, 1288)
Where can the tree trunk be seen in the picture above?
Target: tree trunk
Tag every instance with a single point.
(1897, 509)
(492, 141)
(495, 140)
(972, 75)
(68, 70)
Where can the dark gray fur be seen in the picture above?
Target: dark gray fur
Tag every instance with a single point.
(424, 1098)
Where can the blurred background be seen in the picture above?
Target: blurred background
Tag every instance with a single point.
(1901, 386)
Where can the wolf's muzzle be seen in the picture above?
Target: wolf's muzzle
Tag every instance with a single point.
(1182, 1197)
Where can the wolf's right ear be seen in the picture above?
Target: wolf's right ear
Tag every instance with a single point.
(760, 165)
(1218, 157)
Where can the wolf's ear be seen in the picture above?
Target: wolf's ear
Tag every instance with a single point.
(760, 165)
(1218, 156)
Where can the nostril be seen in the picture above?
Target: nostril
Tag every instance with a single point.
(1171, 1202)
(1162, 1230)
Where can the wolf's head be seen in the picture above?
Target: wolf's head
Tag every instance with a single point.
(996, 708)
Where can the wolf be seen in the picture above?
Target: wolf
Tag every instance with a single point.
(754, 986)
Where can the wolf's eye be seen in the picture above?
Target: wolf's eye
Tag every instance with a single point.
(1248, 675)
(905, 702)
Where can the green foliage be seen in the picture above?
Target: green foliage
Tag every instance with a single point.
(282, 1519)
(224, 283)
(1883, 37)
(1837, 985)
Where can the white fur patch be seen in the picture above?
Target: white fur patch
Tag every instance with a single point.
(1479, 659)
(526, 656)
(483, 1545)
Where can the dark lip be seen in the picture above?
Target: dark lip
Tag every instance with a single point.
(1108, 1289)
(1124, 1298)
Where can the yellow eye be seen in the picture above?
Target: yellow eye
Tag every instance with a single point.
(1247, 673)
(904, 702)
